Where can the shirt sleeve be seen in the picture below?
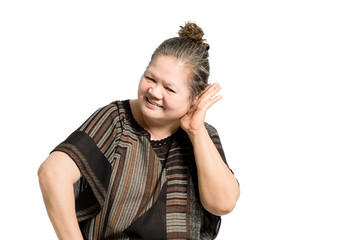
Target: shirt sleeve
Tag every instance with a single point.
(92, 148)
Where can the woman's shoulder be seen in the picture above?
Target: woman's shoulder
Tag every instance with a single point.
(120, 104)
(109, 112)
(121, 107)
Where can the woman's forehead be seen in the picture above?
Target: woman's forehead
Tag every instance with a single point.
(168, 69)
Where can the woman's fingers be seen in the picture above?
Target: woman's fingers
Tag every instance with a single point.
(211, 89)
(208, 98)
(213, 101)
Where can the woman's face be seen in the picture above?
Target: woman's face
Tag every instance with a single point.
(164, 94)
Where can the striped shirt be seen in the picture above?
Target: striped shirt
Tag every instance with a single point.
(135, 188)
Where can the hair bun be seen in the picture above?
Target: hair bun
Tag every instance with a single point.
(192, 31)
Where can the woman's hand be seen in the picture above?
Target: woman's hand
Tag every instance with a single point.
(194, 119)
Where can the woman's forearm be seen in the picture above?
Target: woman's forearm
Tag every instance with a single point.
(218, 187)
(56, 183)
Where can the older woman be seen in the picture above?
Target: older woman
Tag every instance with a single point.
(149, 168)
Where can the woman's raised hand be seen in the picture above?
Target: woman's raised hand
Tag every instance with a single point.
(194, 119)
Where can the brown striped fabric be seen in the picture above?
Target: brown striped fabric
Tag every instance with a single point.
(135, 188)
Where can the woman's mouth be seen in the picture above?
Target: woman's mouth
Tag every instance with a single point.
(153, 103)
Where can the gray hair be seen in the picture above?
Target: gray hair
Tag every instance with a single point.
(191, 49)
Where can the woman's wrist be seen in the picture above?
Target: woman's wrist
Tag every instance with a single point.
(197, 133)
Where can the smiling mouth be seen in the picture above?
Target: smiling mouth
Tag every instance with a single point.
(152, 103)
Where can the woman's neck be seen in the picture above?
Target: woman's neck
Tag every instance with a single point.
(157, 130)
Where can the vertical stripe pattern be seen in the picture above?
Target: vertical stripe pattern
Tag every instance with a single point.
(124, 173)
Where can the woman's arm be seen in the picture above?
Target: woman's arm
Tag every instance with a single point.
(218, 187)
(57, 175)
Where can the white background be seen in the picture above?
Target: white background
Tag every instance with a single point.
(289, 120)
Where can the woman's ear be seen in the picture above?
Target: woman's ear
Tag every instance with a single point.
(195, 100)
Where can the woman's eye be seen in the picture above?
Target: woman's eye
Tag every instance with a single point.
(150, 79)
(170, 90)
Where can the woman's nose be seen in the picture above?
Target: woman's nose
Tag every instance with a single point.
(155, 91)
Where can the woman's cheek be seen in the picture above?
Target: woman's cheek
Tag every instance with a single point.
(143, 87)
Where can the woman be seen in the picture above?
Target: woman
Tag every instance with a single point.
(149, 168)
